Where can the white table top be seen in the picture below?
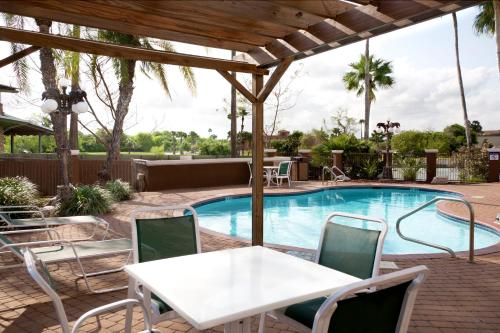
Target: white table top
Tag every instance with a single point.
(218, 287)
(271, 167)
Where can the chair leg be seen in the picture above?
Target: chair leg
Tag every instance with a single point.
(262, 323)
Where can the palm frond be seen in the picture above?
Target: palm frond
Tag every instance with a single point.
(21, 69)
(484, 22)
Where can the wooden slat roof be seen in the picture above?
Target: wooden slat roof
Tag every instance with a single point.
(264, 32)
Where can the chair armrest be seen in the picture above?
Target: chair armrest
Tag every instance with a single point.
(110, 307)
(25, 231)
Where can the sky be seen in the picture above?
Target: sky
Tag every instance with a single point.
(425, 95)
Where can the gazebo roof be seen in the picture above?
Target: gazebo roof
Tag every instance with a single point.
(16, 126)
(264, 32)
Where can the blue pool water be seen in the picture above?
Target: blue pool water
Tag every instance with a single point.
(296, 220)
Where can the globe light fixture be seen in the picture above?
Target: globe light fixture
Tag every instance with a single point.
(60, 101)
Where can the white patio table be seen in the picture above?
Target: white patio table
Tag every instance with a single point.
(268, 171)
(228, 287)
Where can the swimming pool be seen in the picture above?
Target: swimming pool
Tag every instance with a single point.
(297, 219)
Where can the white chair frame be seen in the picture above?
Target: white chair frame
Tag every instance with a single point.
(30, 262)
(341, 177)
(380, 242)
(288, 176)
(58, 241)
(145, 297)
(322, 319)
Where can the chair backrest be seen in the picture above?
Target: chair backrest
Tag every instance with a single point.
(157, 235)
(43, 280)
(284, 168)
(387, 309)
(353, 250)
(250, 167)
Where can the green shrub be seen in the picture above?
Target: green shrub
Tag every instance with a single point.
(119, 190)
(87, 200)
(288, 146)
(371, 168)
(17, 191)
(213, 146)
(157, 150)
(410, 166)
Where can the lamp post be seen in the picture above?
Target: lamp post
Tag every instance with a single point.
(62, 104)
(387, 129)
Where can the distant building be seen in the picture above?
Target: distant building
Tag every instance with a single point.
(282, 134)
(493, 137)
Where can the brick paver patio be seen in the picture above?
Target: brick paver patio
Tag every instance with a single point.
(457, 297)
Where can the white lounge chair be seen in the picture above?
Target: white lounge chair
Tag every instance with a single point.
(335, 173)
(44, 282)
(57, 250)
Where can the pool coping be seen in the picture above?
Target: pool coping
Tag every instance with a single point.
(483, 225)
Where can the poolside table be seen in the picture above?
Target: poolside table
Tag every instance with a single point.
(228, 287)
(268, 171)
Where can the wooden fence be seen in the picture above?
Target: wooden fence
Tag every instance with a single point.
(46, 173)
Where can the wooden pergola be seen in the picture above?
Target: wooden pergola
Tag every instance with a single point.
(265, 34)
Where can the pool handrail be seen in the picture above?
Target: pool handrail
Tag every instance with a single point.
(441, 247)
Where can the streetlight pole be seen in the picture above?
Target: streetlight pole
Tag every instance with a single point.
(64, 103)
(387, 129)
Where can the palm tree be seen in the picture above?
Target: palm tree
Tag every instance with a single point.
(488, 22)
(125, 72)
(375, 73)
(461, 84)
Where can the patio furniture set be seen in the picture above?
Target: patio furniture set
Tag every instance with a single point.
(275, 174)
(227, 287)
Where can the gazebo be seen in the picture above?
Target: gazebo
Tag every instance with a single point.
(265, 34)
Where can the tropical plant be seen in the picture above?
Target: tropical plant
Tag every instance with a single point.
(322, 153)
(410, 166)
(214, 147)
(372, 73)
(86, 200)
(124, 70)
(157, 150)
(371, 168)
(17, 191)
(487, 22)
(119, 189)
(468, 137)
(288, 146)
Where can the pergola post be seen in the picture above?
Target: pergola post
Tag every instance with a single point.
(257, 162)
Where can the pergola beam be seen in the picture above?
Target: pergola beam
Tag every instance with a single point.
(238, 86)
(125, 52)
(18, 55)
(274, 79)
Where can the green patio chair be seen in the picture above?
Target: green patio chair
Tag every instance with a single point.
(44, 282)
(353, 250)
(38, 219)
(386, 308)
(161, 233)
(57, 250)
(283, 172)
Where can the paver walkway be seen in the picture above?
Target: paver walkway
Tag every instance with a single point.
(457, 297)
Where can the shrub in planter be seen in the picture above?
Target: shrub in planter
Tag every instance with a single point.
(87, 200)
(410, 166)
(17, 191)
(119, 190)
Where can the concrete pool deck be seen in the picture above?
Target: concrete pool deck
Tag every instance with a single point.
(457, 297)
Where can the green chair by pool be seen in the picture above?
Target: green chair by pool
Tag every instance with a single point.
(352, 249)
(387, 308)
(161, 233)
(44, 282)
(57, 250)
(284, 172)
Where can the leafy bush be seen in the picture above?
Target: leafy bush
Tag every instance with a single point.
(288, 146)
(371, 168)
(213, 146)
(322, 154)
(17, 191)
(473, 165)
(158, 150)
(410, 166)
(119, 189)
(87, 200)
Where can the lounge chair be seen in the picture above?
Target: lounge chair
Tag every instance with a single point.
(160, 233)
(386, 308)
(440, 180)
(40, 220)
(43, 280)
(335, 173)
(284, 172)
(251, 174)
(57, 250)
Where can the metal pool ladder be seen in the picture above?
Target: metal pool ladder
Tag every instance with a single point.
(441, 247)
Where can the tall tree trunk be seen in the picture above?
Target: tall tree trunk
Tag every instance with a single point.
(496, 5)
(75, 85)
(126, 90)
(367, 90)
(234, 149)
(59, 122)
(2, 132)
(461, 84)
